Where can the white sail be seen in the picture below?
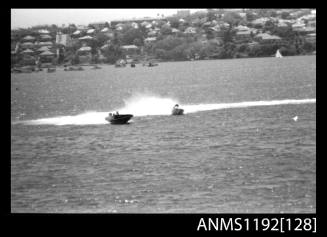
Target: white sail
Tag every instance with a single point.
(278, 54)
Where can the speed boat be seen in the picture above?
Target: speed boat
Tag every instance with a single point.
(118, 118)
(177, 111)
(51, 69)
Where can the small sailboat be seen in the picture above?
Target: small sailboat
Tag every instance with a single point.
(278, 54)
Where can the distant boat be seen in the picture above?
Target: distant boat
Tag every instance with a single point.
(51, 70)
(150, 64)
(177, 111)
(278, 54)
(71, 68)
(96, 67)
(120, 63)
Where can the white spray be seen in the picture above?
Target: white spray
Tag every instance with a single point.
(146, 105)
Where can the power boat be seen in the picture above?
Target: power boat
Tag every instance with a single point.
(118, 118)
(177, 111)
(51, 69)
(96, 67)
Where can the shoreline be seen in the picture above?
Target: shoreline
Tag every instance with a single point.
(160, 61)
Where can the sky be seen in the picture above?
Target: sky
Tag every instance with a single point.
(23, 18)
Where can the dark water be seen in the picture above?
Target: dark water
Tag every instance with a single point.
(252, 159)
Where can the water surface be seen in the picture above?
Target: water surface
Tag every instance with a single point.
(221, 156)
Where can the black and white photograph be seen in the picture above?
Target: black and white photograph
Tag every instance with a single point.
(163, 110)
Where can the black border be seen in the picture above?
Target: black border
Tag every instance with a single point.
(153, 224)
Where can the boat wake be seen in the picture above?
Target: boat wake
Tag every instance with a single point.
(205, 107)
(153, 105)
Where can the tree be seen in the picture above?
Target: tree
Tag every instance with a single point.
(211, 15)
(160, 53)
(131, 34)
(106, 24)
(263, 12)
(273, 13)
(308, 47)
(178, 53)
(269, 25)
(168, 43)
(174, 23)
(228, 50)
(138, 42)
(232, 18)
(242, 48)
(165, 30)
(75, 59)
(210, 34)
(116, 39)
(285, 15)
(113, 53)
(228, 35)
(101, 39)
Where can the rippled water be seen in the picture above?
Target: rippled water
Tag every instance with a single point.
(220, 157)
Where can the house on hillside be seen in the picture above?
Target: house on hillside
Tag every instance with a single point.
(148, 41)
(152, 33)
(86, 39)
(46, 43)
(104, 30)
(63, 39)
(119, 26)
(242, 14)
(183, 13)
(82, 28)
(27, 60)
(90, 31)
(311, 23)
(306, 30)
(99, 25)
(267, 38)
(243, 36)
(43, 49)
(135, 25)
(108, 32)
(190, 30)
(241, 28)
(175, 31)
(252, 44)
(27, 45)
(84, 55)
(28, 52)
(298, 26)
(28, 38)
(260, 21)
(282, 24)
(77, 33)
(45, 37)
(47, 57)
(311, 38)
(43, 32)
(130, 50)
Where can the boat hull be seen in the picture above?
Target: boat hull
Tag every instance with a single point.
(177, 112)
(119, 119)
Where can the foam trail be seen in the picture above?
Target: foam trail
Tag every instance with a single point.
(153, 105)
(205, 107)
(87, 118)
(141, 105)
